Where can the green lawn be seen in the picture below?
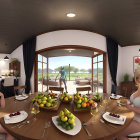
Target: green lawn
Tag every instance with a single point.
(72, 76)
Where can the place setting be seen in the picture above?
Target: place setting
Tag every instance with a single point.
(115, 96)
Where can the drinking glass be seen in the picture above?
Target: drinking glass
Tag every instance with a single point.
(35, 110)
(102, 109)
(94, 113)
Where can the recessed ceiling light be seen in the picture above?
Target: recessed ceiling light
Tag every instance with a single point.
(71, 15)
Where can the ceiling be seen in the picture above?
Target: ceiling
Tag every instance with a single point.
(22, 19)
(69, 52)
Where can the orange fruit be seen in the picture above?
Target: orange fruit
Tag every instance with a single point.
(90, 101)
(66, 99)
(84, 105)
(93, 105)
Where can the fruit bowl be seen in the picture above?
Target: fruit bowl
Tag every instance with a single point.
(65, 98)
(45, 101)
(83, 103)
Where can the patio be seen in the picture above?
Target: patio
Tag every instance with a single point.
(71, 86)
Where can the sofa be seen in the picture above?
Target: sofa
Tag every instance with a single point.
(51, 81)
(85, 81)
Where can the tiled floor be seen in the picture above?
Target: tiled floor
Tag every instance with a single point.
(71, 86)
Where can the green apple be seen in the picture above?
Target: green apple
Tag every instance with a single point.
(48, 104)
(64, 118)
(61, 98)
(71, 121)
(70, 115)
(44, 98)
(79, 101)
(61, 113)
(78, 106)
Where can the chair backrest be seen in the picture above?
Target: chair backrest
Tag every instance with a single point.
(56, 89)
(16, 88)
(83, 89)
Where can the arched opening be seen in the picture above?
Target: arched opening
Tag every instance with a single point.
(88, 69)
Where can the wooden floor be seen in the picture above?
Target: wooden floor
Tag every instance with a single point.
(132, 138)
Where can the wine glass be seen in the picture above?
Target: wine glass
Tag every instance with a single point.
(35, 110)
(102, 109)
(94, 113)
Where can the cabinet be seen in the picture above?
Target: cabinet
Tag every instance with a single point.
(127, 88)
(14, 68)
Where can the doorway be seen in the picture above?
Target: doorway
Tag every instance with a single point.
(84, 66)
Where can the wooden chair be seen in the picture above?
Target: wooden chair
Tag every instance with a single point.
(16, 88)
(56, 89)
(83, 89)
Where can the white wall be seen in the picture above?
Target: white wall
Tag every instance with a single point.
(4, 64)
(128, 53)
(19, 55)
(65, 37)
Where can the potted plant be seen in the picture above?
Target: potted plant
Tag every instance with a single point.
(126, 77)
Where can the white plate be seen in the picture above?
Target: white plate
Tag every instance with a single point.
(118, 101)
(21, 97)
(114, 120)
(15, 119)
(115, 97)
(74, 131)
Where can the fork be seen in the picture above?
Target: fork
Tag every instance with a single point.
(47, 125)
(84, 125)
(102, 121)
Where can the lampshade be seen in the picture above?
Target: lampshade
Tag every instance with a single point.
(6, 58)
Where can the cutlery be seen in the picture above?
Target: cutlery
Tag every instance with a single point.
(27, 122)
(102, 121)
(84, 125)
(22, 123)
(47, 125)
(18, 124)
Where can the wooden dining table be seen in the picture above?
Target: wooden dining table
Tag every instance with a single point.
(34, 130)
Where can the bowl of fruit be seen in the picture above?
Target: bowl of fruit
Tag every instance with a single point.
(67, 122)
(45, 101)
(64, 97)
(83, 103)
(97, 97)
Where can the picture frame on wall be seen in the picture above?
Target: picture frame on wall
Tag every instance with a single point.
(136, 62)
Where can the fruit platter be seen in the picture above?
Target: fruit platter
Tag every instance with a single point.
(64, 97)
(83, 103)
(67, 122)
(97, 97)
(46, 101)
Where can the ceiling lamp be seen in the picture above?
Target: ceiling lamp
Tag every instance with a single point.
(71, 15)
(6, 58)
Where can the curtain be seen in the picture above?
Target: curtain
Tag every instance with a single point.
(112, 51)
(29, 47)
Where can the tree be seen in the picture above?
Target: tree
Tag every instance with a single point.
(75, 70)
(90, 70)
(83, 70)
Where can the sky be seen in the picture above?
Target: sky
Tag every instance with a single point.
(76, 61)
